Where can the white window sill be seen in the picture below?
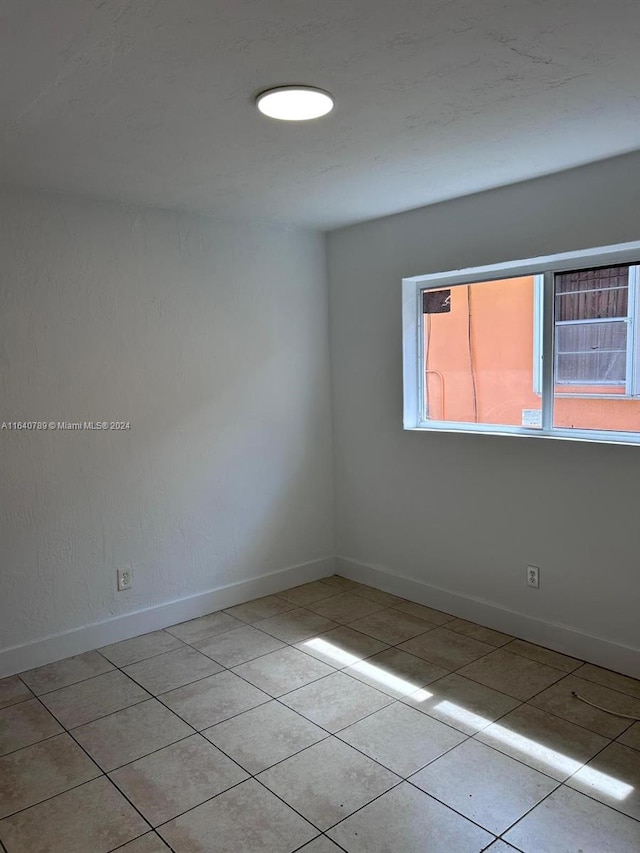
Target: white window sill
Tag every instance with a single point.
(561, 434)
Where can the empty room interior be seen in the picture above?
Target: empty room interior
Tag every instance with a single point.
(320, 426)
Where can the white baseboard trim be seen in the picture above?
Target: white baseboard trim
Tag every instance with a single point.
(560, 638)
(50, 649)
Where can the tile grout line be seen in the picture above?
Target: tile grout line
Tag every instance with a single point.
(20, 701)
(35, 743)
(472, 736)
(336, 735)
(224, 668)
(80, 680)
(251, 775)
(605, 686)
(195, 732)
(171, 710)
(612, 713)
(525, 702)
(546, 711)
(329, 734)
(356, 591)
(528, 700)
(533, 660)
(277, 698)
(293, 808)
(407, 779)
(101, 774)
(393, 700)
(527, 813)
(138, 837)
(184, 642)
(199, 732)
(306, 843)
(147, 657)
(102, 716)
(511, 825)
(66, 790)
(580, 664)
(425, 793)
(346, 625)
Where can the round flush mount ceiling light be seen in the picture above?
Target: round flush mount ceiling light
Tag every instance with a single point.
(294, 103)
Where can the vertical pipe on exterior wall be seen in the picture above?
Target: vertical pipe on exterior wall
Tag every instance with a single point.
(472, 369)
(547, 351)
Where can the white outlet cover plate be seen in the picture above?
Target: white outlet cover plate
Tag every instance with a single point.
(533, 576)
(125, 579)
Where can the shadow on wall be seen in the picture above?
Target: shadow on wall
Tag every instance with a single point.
(222, 475)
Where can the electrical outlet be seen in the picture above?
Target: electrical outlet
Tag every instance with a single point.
(125, 579)
(533, 576)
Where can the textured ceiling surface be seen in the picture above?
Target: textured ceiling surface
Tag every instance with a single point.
(151, 101)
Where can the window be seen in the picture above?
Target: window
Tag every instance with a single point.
(547, 346)
(595, 331)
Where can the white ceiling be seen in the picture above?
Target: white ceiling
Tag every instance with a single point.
(151, 101)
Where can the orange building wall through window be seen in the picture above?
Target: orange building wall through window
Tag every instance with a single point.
(479, 364)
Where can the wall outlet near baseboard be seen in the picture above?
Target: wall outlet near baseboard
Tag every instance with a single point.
(533, 576)
(125, 579)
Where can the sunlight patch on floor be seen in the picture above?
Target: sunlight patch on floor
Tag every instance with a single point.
(608, 785)
(377, 673)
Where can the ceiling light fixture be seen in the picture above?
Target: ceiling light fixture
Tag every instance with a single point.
(294, 103)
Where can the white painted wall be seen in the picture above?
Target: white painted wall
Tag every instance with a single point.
(466, 513)
(212, 340)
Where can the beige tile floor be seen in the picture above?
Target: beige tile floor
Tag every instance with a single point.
(329, 717)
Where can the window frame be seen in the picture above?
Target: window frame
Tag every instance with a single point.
(544, 268)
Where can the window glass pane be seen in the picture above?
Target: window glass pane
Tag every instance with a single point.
(593, 350)
(478, 354)
(592, 294)
(591, 353)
